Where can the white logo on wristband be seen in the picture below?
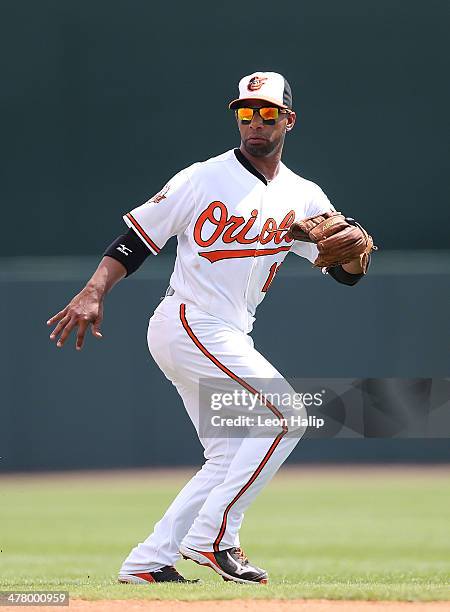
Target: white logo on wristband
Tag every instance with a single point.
(123, 249)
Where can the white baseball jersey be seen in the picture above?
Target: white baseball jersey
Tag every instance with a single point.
(226, 220)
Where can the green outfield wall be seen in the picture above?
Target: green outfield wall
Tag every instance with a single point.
(110, 406)
(101, 102)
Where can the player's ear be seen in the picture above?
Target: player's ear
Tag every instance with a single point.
(291, 121)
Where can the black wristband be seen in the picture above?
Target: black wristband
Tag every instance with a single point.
(129, 250)
(344, 277)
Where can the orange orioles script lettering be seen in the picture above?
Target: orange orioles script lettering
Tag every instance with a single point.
(215, 223)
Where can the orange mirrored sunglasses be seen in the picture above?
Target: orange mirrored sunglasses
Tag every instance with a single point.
(269, 114)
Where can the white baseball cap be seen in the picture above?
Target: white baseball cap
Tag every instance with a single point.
(268, 86)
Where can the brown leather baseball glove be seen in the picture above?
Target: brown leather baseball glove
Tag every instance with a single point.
(339, 239)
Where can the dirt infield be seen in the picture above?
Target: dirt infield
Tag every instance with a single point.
(250, 605)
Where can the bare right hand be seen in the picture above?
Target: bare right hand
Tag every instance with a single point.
(85, 309)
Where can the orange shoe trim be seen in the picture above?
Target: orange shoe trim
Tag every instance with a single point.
(145, 576)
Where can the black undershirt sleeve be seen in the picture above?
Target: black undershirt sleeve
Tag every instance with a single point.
(129, 250)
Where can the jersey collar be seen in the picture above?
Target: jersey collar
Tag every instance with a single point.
(248, 166)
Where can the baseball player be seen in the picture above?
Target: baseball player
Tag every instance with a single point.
(236, 217)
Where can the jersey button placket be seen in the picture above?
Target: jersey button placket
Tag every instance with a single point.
(257, 228)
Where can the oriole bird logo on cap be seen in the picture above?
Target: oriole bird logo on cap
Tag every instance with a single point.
(256, 83)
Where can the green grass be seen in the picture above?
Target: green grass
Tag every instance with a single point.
(336, 535)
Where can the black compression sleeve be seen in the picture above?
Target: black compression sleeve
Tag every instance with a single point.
(344, 277)
(129, 250)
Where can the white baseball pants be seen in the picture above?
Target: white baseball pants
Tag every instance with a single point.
(191, 346)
